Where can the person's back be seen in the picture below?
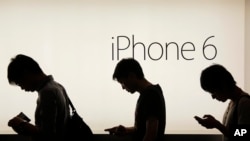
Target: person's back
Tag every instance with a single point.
(51, 99)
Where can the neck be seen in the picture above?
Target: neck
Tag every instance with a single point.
(40, 79)
(236, 94)
(143, 84)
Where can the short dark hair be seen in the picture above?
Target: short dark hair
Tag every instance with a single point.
(20, 66)
(216, 77)
(127, 66)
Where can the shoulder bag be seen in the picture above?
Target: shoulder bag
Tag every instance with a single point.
(77, 129)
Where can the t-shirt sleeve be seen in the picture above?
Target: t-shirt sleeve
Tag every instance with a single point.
(48, 111)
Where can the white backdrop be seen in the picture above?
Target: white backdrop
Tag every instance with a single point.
(77, 41)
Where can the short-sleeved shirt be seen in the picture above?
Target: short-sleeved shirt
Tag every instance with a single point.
(151, 103)
(52, 111)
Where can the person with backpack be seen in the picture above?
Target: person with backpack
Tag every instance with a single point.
(52, 110)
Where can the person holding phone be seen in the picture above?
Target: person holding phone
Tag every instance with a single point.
(150, 114)
(52, 110)
(219, 82)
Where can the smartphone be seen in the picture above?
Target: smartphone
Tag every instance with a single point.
(23, 116)
(198, 118)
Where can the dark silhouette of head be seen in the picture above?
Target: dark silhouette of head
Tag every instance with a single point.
(216, 78)
(20, 67)
(127, 66)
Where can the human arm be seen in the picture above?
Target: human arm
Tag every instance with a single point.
(210, 122)
(153, 113)
(22, 127)
(151, 129)
(46, 113)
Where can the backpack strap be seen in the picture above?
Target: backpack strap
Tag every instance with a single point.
(68, 99)
(71, 104)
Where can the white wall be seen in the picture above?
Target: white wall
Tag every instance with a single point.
(247, 46)
(73, 41)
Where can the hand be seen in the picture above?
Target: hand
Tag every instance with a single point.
(207, 121)
(117, 130)
(14, 122)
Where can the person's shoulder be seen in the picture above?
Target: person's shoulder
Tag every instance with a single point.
(153, 90)
(157, 87)
(51, 86)
(245, 100)
(245, 96)
(152, 87)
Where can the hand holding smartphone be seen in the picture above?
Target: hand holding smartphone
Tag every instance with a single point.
(199, 119)
(23, 116)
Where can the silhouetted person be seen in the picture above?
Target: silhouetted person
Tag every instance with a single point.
(52, 110)
(150, 114)
(221, 85)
